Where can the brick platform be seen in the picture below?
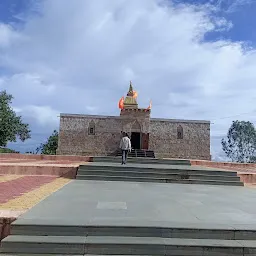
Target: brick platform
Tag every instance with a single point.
(22, 164)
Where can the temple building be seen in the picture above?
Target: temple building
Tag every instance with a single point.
(95, 135)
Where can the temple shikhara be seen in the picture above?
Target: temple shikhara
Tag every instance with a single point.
(95, 135)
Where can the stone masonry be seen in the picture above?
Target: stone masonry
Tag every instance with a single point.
(93, 135)
(194, 144)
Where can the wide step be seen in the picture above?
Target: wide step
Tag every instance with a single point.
(116, 245)
(143, 160)
(163, 173)
(43, 244)
(159, 180)
(138, 153)
(174, 230)
(154, 174)
(155, 168)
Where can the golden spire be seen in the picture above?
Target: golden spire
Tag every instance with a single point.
(130, 101)
(130, 92)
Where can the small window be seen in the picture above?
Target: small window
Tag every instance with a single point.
(91, 129)
(179, 132)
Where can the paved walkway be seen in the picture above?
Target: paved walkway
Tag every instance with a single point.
(82, 202)
(19, 193)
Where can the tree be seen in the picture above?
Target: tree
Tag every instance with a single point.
(240, 145)
(50, 147)
(11, 125)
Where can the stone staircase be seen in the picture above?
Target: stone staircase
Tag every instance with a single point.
(141, 153)
(38, 237)
(148, 160)
(153, 170)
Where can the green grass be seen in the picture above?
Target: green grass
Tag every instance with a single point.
(7, 150)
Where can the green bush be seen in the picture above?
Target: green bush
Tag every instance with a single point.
(7, 150)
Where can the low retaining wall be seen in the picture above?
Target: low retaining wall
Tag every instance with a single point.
(60, 171)
(28, 164)
(247, 178)
(46, 157)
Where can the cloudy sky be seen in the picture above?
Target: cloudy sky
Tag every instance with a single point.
(195, 59)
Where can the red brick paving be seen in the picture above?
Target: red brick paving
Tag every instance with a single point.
(17, 187)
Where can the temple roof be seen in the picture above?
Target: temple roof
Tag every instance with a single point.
(130, 100)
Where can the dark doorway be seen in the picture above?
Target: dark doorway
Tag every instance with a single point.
(135, 140)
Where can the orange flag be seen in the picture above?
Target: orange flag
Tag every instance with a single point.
(135, 94)
(121, 103)
(150, 105)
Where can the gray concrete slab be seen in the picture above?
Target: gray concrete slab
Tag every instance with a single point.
(85, 202)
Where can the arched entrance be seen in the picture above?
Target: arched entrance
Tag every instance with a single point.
(136, 135)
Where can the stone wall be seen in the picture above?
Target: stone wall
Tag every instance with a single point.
(194, 144)
(135, 120)
(75, 137)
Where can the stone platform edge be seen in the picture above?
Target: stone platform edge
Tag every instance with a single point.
(72, 158)
(68, 172)
(246, 171)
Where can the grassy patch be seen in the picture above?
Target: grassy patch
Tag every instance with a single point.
(7, 150)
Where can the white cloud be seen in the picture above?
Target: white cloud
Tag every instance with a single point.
(79, 56)
(7, 35)
(232, 5)
(44, 115)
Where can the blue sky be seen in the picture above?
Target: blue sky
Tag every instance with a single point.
(242, 16)
(10, 10)
(195, 59)
(244, 19)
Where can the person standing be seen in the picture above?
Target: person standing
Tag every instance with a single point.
(125, 145)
